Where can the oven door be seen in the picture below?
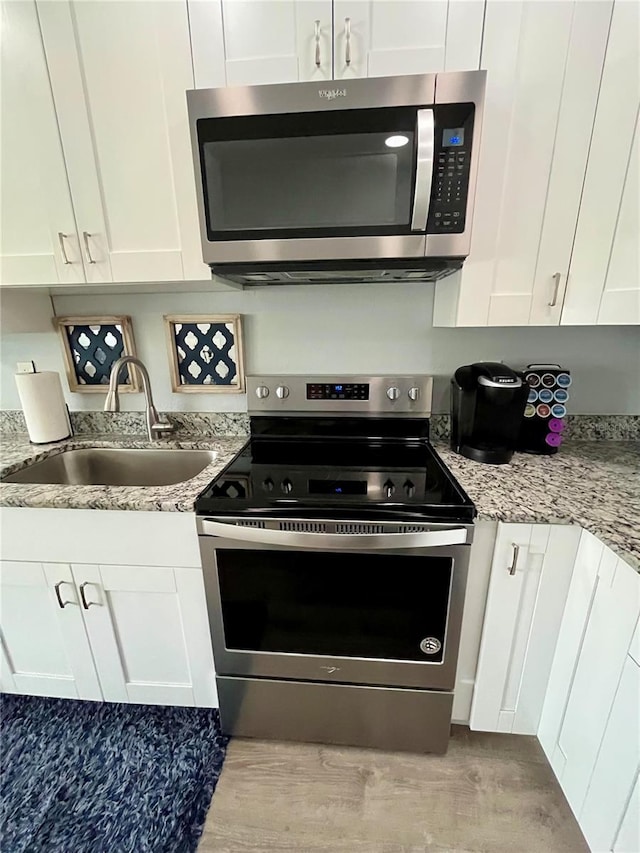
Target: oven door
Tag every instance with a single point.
(339, 609)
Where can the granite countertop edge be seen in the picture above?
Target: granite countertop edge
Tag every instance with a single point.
(595, 485)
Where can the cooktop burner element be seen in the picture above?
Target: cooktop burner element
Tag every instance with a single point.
(320, 446)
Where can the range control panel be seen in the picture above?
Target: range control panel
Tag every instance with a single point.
(373, 395)
(451, 168)
(338, 391)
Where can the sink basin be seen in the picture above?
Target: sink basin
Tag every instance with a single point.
(94, 466)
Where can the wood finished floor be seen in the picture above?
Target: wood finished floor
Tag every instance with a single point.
(490, 793)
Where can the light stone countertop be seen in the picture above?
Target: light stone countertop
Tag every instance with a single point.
(16, 451)
(595, 484)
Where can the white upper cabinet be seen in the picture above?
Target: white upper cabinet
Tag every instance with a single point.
(544, 63)
(119, 72)
(378, 38)
(248, 42)
(604, 285)
(38, 225)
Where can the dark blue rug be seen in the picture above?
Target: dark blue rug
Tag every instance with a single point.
(106, 778)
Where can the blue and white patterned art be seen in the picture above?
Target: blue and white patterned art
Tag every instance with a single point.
(206, 353)
(92, 346)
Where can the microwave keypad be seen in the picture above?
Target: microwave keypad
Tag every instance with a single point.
(449, 193)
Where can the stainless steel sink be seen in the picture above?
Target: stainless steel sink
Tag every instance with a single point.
(94, 466)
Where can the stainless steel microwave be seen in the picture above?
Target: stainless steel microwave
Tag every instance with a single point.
(368, 179)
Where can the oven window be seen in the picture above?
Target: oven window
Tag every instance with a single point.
(334, 604)
(308, 174)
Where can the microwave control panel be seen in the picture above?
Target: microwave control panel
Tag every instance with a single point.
(450, 183)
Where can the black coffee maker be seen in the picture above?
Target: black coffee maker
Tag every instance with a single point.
(487, 407)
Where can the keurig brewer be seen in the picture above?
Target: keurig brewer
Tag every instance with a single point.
(487, 407)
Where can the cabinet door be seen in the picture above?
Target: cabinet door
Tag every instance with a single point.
(544, 63)
(45, 651)
(620, 300)
(119, 72)
(149, 634)
(379, 38)
(271, 41)
(603, 284)
(588, 672)
(628, 836)
(529, 582)
(616, 768)
(35, 201)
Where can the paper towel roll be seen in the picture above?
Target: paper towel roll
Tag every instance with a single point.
(43, 405)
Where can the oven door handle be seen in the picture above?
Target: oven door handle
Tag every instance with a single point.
(335, 541)
(424, 170)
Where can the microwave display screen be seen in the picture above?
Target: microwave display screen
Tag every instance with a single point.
(452, 136)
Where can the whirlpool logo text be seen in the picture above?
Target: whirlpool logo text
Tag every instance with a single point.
(332, 94)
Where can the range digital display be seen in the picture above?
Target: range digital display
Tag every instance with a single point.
(337, 487)
(338, 391)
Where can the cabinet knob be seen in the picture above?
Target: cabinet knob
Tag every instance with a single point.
(262, 392)
(393, 393)
(282, 392)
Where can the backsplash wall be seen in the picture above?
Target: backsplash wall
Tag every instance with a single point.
(341, 329)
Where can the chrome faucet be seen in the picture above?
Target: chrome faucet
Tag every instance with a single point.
(156, 427)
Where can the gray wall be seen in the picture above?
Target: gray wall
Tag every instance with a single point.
(344, 329)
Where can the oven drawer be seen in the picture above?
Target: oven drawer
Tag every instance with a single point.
(385, 718)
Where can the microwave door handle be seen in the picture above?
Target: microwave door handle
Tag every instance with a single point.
(334, 541)
(424, 170)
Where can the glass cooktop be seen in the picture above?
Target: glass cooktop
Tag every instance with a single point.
(357, 477)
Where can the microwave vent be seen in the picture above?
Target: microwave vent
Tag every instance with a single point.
(431, 269)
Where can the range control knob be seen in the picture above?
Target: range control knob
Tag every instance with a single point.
(287, 486)
(409, 489)
(267, 484)
(261, 392)
(282, 392)
(414, 393)
(389, 488)
(393, 393)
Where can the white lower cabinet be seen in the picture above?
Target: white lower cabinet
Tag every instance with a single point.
(120, 633)
(591, 714)
(45, 651)
(148, 631)
(607, 816)
(530, 576)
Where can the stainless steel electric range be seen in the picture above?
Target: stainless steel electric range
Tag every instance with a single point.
(335, 549)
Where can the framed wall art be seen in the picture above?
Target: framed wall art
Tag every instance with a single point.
(91, 346)
(205, 353)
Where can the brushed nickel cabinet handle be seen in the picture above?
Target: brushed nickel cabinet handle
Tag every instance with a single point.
(556, 288)
(87, 249)
(61, 238)
(347, 35)
(514, 561)
(61, 603)
(86, 604)
(317, 38)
